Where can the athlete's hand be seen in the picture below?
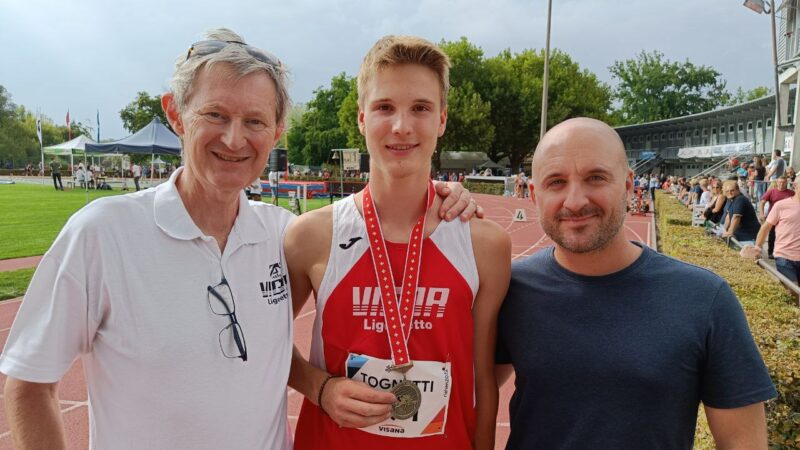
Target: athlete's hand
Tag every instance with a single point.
(457, 201)
(353, 404)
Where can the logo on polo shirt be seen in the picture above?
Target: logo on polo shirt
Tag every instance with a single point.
(276, 289)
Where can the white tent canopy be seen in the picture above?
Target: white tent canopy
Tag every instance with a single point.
(73, 147)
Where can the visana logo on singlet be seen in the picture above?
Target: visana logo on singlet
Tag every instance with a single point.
(275, 290)
(429, 303)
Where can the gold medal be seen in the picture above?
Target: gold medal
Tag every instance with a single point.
(398, 314)
(409, 399)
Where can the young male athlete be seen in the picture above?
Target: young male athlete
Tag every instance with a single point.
(403, 343)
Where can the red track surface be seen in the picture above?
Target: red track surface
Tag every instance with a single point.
(526, 239)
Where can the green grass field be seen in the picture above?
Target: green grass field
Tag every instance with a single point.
(32, 215)
(14, 284)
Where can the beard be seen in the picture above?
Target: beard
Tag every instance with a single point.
(592, 237)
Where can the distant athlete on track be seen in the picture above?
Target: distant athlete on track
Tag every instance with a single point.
(403, 343)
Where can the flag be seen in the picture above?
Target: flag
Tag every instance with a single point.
(98, 125)
(39, 129)
(69, 129)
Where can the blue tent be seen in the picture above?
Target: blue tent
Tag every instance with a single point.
(154, 139)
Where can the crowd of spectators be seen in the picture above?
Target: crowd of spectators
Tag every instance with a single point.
(747, 205)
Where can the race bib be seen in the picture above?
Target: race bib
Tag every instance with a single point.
(431, 377)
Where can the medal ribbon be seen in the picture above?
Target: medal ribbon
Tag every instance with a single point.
(396, 314)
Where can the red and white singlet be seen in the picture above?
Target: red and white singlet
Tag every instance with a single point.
(350, 321)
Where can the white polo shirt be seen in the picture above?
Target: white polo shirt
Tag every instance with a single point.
(124, 287)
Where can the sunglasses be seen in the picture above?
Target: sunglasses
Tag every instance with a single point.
(210, 46)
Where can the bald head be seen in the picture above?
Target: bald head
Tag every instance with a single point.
(579, 137)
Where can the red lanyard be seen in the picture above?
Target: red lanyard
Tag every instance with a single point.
(397, 315)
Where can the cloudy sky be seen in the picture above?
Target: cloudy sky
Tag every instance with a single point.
(85, 55)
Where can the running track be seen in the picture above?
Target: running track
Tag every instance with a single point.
(526, 239)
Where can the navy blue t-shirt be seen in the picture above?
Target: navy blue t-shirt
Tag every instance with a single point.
(748, 224)
(622, 361)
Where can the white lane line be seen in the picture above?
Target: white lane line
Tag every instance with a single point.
(306, 314)
(636, 234)
(76, 406)
(519, 255)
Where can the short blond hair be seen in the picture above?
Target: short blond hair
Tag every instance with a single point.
(730, 184)
(394, 50)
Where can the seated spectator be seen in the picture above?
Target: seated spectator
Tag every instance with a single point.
(80, 176)
(790, 174)
(696, 192)
(740, 216)
(716, 206)
(705, 195)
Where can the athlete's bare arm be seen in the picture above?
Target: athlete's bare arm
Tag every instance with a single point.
(349, 403)
(492, 248)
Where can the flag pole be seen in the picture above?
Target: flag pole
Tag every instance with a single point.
(41, 147)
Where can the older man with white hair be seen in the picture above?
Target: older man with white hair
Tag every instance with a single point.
(176, 299)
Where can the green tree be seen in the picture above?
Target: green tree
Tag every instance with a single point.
(468, 125)
(18, 141)
(348, 119)
(651, 87)
(515, 93)
(77, 129)
(141, 111)
(10, 128)
(312, 138)
(296, 140)
(466, 64)
(742, 96)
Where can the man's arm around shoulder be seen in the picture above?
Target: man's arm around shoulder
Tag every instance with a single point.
(34, 415)
(492, 249)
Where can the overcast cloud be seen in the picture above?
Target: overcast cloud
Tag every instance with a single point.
(96, 54)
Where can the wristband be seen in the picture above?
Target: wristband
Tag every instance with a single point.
(321, 390)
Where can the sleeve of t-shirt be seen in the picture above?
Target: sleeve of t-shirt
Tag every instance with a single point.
(734, 374)
(51, 326)
(737, 207)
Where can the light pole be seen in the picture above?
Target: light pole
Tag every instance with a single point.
(335, 155)
(543, 125)
(760, 6)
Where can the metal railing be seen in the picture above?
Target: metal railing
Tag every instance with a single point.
(779, 276)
